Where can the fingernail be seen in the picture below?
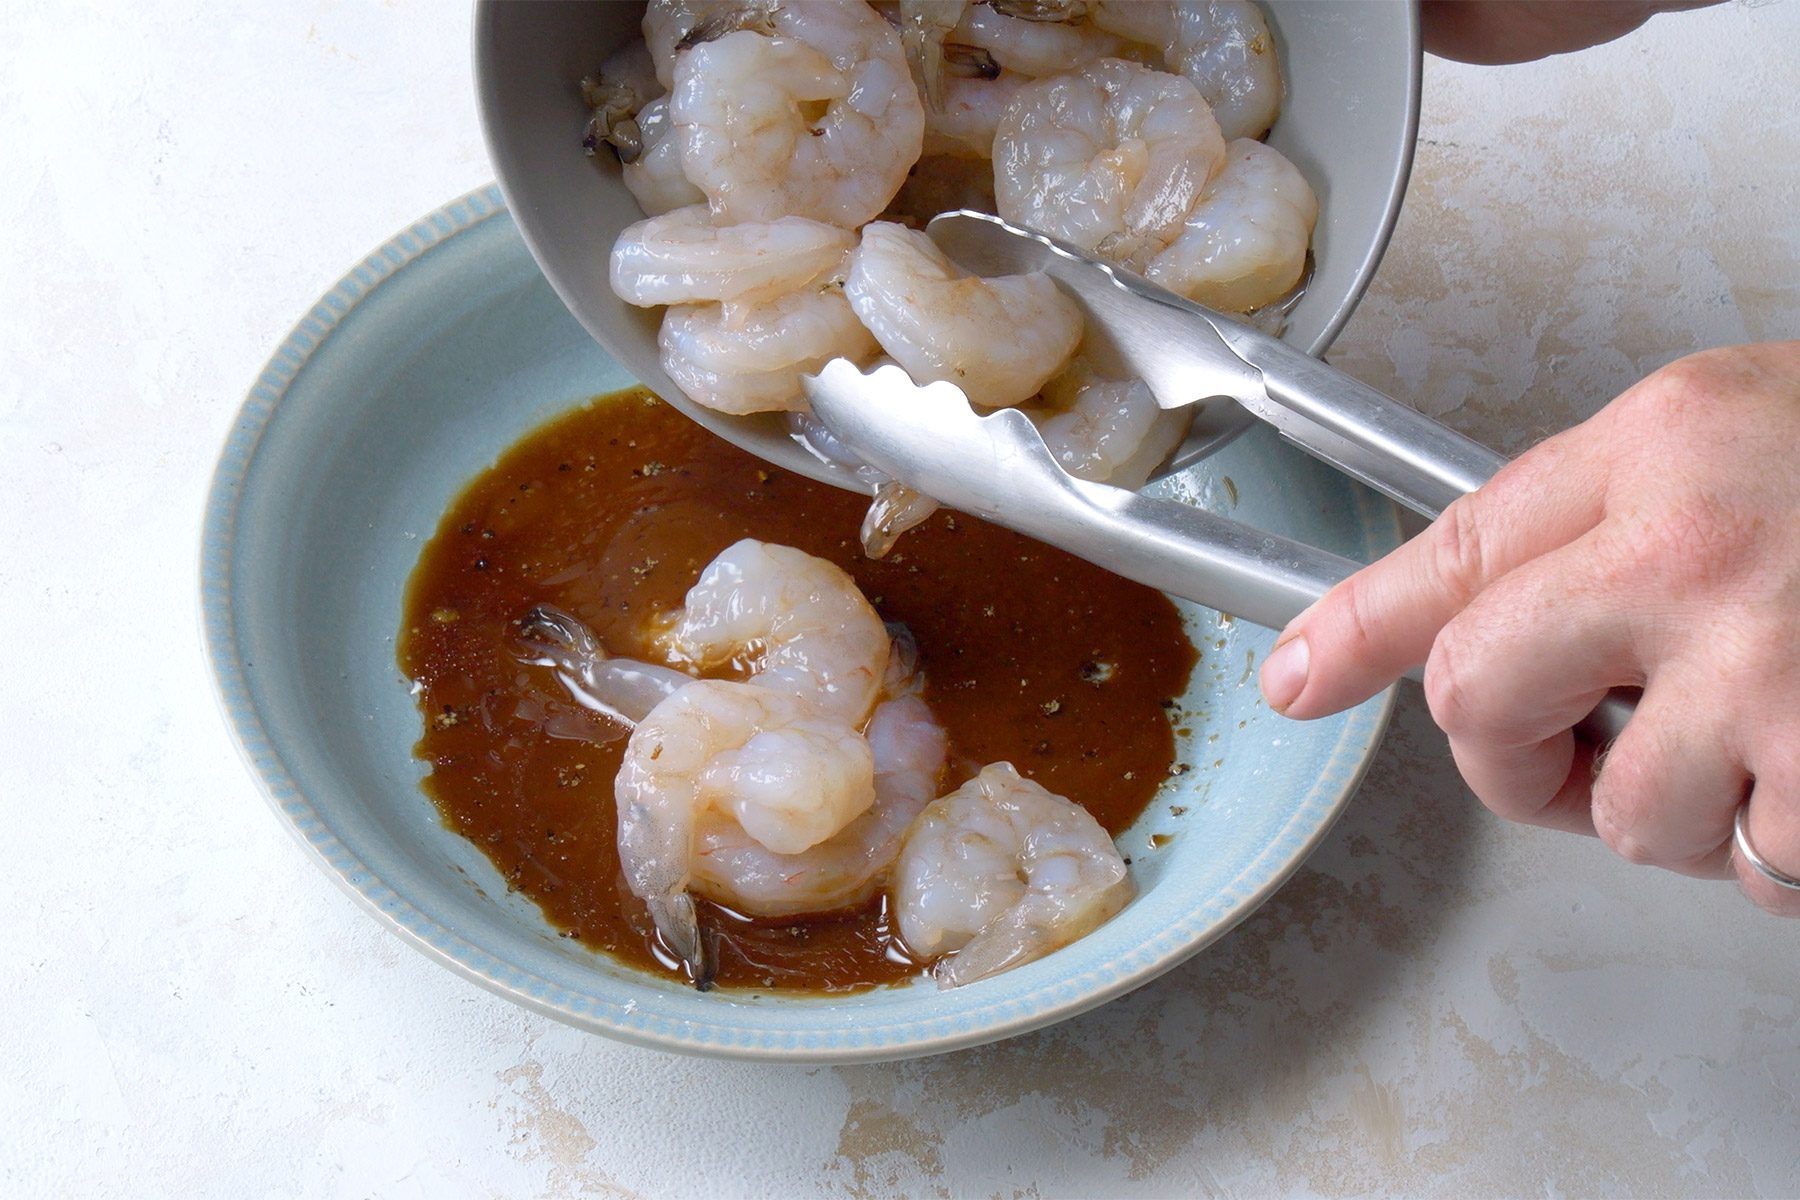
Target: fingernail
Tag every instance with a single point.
(1284, 674)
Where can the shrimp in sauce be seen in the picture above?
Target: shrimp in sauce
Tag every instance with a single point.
(799, 623)
(786, 774)
(1000, 873)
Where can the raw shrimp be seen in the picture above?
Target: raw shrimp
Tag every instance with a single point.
(1110, 158)
(655, 176)
(820, 120)
(787, 774)
(907, 746)
(622, 689)
(1034, 48)
(894, 507)
(998, 339)
(672, 26)
(1108, 431)
(1001, 872)
(1245, 243)
(747, 357)
(682, 257)
(1223, 46)
(924, 26)
(798, 622)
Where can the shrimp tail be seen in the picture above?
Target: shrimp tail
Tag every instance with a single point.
(894, 510)
(679, 924)
(551, 631)
(924, 24)
(757, 17)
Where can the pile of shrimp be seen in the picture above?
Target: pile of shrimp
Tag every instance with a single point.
(784, 151)
(814, 784)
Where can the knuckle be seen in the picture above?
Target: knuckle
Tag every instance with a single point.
(1685, 387)
(1459, 557)
(1450, 695)
(1512, 805)
(1356, 621)
(1621, 803)
(1633, 850)
(1697, 543)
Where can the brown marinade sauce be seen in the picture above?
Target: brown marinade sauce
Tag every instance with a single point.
(1030, 655)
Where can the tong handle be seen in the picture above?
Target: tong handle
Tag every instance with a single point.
(1364, 433)
(1199, 555)
(1261, 577)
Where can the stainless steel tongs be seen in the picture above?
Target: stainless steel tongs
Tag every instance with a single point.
(998, 468)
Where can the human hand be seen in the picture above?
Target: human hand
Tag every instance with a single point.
(1493, 32)
(1656, 544)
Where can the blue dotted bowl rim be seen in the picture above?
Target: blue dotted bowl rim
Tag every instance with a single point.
(873, 1040)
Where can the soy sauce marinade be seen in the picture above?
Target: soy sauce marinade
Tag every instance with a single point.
(1030, 655)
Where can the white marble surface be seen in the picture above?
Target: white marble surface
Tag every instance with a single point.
(1438, 1004)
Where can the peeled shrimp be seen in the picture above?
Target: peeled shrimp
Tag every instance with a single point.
(748, 357)
(1001, 872)
(924, 26)
(1034, 48)
(800, 622)
(728, 864)
(655, 176)
(672, 26)
(1110, 158)
(820, 120)
(683, 257)
(787, 774)
(1223, 46)
(1244, 244)
(998, 339)
(1104, 430)
(907, 746)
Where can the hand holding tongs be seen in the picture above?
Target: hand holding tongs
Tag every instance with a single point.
(998, 468)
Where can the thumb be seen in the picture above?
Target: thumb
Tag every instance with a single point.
(1381, 622)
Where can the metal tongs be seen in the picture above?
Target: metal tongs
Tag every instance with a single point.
(997, 467)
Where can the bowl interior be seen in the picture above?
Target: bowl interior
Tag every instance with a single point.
(1349, 121)
(411, 376)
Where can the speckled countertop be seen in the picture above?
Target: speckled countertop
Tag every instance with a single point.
(1437, 1004)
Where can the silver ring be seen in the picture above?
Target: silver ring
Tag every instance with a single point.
(1740, 837)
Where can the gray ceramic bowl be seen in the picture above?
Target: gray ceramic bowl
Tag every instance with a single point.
(1349, 122)
(428, 359)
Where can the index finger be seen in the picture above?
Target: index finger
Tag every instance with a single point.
(1381, 622)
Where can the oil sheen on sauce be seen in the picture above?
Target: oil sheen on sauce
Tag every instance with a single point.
(1030, 655)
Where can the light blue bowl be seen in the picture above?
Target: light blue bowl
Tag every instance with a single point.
(431, 357)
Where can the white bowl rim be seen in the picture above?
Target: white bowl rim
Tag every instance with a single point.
(1348, 761)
